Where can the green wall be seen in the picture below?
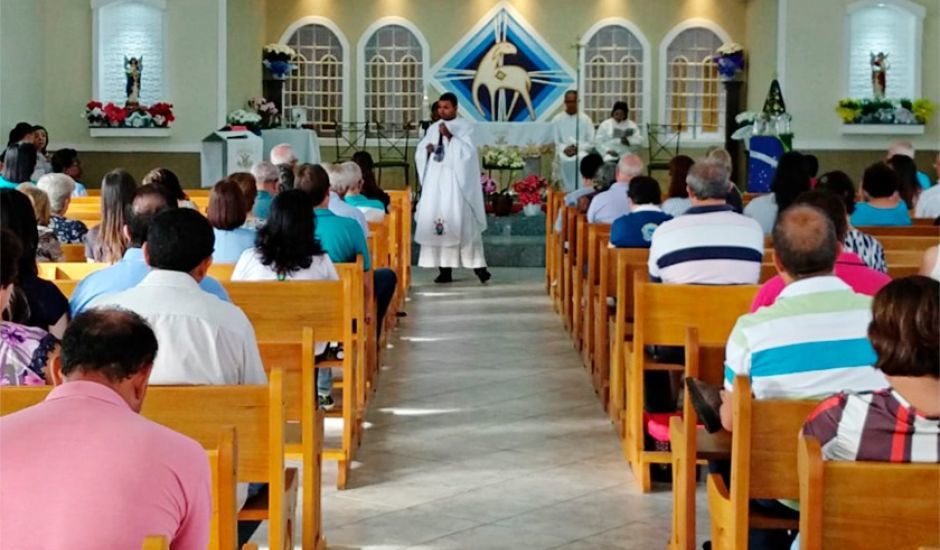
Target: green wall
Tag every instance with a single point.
(21, 63)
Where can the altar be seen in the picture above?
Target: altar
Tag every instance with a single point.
(519, 134)
(306, 144)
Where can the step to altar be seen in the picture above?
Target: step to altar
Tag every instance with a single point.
(511, 241)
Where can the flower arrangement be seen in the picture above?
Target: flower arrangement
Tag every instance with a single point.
(244, 117)
(885, 111)
(529, 189)
(279, 60)
(502, 157)
(730, 60)
(110, 115)
(267, 110)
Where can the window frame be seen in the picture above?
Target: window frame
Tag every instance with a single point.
(646, 64)
(361, 61)
(915, 10)
(691, 135)
(96, 7)
(344, 63)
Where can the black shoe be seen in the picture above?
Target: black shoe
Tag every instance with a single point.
(446, 275)
(326, 402)
(483, 274)
(706, 400)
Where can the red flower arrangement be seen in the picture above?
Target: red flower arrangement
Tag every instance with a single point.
(162, 114)
(530, 189)
(115, 115)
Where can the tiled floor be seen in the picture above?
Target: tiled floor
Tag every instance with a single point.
(485, 434)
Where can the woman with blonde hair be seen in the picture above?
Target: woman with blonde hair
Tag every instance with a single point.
(106, 241)
(49, 249)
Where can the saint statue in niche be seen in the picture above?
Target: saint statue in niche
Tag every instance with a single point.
(879, 72)
(132, 68)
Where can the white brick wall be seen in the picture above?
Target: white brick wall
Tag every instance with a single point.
(887, 29)
(131, 30)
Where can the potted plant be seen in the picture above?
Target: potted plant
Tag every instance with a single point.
(730, 60)
(530, 190)
(278, 60)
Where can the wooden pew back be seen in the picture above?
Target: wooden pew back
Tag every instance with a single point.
(866, 504)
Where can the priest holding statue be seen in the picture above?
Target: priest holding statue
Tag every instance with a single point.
(450, 217)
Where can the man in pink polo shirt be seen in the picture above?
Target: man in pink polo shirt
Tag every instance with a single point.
(83, 469)
(849, 267)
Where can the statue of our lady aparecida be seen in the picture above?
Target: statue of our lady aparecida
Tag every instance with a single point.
(132, 69)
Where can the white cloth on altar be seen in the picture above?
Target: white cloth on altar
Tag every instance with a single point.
(450, 218)
(305, 142)
(607, 138)
(575, 130)
(513, 133)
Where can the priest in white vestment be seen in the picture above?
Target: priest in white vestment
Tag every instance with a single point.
(450, 218)
(574, 138)
(618, 135)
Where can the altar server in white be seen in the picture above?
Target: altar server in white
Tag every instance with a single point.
(574, 138)
(618, 135)
(450, 218)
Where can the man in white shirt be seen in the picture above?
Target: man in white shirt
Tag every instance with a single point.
(203, 339)
(928, 204)
(614, 203)
(574, 138)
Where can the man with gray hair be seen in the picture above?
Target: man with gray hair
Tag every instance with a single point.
(341, 180)
(267, 178)
(614, 203)
(283, 154)
(709, 244)
(373, 210)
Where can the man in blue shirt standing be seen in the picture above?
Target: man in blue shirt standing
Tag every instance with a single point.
(147, 203)
(635, 230)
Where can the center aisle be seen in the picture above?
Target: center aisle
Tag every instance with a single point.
(485, 433)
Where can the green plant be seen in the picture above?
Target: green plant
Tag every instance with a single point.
(923, 109)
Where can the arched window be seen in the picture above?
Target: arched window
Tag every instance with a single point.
(318, 85)
(893, 27)
(392, 69)
(616, 68)
(694, 98)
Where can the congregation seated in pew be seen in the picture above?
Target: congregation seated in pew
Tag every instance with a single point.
(106, 242)
(710, 243)
(613, 203)
(928, 204)
(59, 188)
(848, 266)
(790, 179)
(49, 248)
(40, 304)
(227, 213)
(287, 250)
(635, 229)
(84, 465)
(266, 179)
(677, 200)
(147, 203)
(883, 205)
(167, 180)
(899, 423)
(865, 246)
(26, 352)
(810, 343)
(249, 187)
(372, 209)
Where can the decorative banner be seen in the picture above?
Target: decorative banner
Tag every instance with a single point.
(503, 71)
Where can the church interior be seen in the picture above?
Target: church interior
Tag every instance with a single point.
(487, 274)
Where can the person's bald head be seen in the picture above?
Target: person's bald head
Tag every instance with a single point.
(148, 201)
(629, 167)
(805, 243)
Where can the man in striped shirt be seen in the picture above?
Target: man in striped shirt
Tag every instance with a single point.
(710, 244)
(813, 340)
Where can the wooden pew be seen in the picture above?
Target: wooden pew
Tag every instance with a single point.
(919, 244)
(279, 311)
(662, 313)
(222, 456)
(598, 237)
(866, 504)
(895, 231)
(155, 542)
(567, 260)
(763, 466)
(402, 201)
(690, 443)
(577, 278)
(550, 213)
(304, 432)
(73, 252)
